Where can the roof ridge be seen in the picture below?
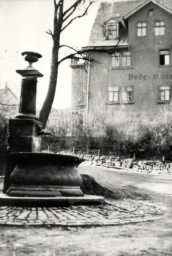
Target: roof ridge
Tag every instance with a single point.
(4, 90)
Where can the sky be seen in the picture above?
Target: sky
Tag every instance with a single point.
(23, 26)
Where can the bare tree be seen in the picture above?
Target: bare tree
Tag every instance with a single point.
(63, 18)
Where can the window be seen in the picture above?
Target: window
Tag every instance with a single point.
(126, 59)
(164, 57)
(116, 59)
(159, 28)
(164, 93)
(121, 59)
(113, 94)
(127, 94)
(141, 29)
(120, 94)
(112, 30)
(151, 12)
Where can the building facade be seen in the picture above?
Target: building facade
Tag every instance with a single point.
(130, 79)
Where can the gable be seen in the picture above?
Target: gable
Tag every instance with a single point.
(165, 5)
(7, 97)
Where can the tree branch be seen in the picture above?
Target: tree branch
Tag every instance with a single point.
(79, 16)
(72, 11)
(70, 47)
(86, 51)
(70, 56)
(49, 32)
(72, 6)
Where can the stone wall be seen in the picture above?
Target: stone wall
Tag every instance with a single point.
(140, 166)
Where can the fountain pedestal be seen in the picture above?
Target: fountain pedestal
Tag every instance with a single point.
(44, 174)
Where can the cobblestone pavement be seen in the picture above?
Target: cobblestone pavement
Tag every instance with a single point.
(109, 214)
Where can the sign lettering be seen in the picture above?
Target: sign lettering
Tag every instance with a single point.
(143, 77)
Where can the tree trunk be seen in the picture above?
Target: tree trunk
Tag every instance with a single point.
(46, 108)
(58, 21)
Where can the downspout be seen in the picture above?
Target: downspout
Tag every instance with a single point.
(88, 88)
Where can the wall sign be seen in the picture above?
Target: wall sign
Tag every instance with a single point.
(141, 76)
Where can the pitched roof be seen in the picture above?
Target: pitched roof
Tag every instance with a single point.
(7, 97)
(105, 12)
(118, 10)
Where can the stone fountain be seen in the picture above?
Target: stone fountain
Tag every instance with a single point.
(32, 177)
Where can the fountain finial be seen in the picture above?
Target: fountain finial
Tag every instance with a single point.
(31, 57)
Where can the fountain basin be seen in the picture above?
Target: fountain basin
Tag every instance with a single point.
(43, 175)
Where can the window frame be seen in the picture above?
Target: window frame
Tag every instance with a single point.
(125, 90)
(127, 57)
(164, 89)
(113, 90)
(117, 59)
(160, 54)
(112, 23)
(121, 90)
(158, 28)
(141, 28)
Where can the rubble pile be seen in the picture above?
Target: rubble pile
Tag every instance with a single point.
(140, 166)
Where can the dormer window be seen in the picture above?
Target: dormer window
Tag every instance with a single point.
(112, 30)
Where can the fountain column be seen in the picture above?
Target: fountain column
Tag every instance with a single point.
(24, 128)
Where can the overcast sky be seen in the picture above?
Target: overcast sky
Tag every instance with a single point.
(23, 26)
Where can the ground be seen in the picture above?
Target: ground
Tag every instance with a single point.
(150, 238)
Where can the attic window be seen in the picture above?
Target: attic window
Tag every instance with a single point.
(151, 12)
(141, 29)
(112, 30)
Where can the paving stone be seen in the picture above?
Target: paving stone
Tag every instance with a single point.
(118, 213)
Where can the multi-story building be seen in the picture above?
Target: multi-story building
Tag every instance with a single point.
(130, 78)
